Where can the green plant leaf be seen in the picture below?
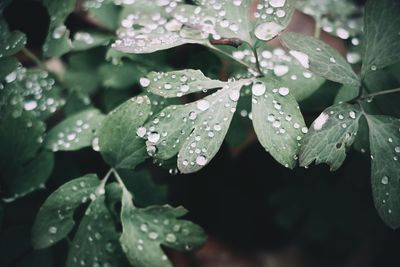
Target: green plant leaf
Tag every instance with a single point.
(57, 41)
(105, 12)
(96, 240)
(145, 230)
(7, 66)
(11, 43)
(55, 218)
(273, 18)
(346, 93)
(277, 120)
(75, 132)
(121, 76)
(381, 35)
(120, 145)
(178, 83)
(25, 179)
(320, 58)
(86, 40)
(385, 153)
(195, 130)
(330, 135)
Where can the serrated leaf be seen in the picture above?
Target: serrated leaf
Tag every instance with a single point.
(96, 241)
(385, 152)
(145, 230)
(381, 35)
(320, 58)
(178, 83)
(57, 41)
(86, 40)
(195, 130)
(55, 218)
(330, 135)
(277, 120)
(75, 132)
(119, 143)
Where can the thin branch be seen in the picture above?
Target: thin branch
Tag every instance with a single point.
(247, 65)
(34, 58)
(257, 61)
(235, 42)
(391, 91)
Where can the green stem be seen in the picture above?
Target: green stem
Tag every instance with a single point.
(257, 61)
(391, 91)
(317, 31)
(118, 178)
(34, 58)
(231, 57)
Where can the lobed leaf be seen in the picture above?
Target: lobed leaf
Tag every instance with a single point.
(384, 141)
(55, 218)
(178, 83)
(330, 135)
(277, 120)
(145, 230)
(381, 35)
(75, 132)
(320, 58)
(119, 143)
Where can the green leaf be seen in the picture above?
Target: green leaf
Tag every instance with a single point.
(195, 130)
(277, 121)
(145, 230)
(385, 152)
(273, 18)
(96, 240)
(330, 135)
(86, 40)
(346, 93)
(119, 143)
(121, 76)
(12, 43)
(55, 218)
(285, 68)
(178, 83)
(75, 132)
(25, 179)
(145, 191)
(7, 66)
(57, 41)
(320, 58)
(381, 35)
(105, 12)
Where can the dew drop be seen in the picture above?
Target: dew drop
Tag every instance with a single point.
(258, 89)
(144, 82)
(385, 180)
(201, 160)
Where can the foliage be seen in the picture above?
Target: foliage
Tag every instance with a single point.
(180, 118)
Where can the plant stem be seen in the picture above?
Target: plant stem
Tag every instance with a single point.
(257, 61)
(391, 91)
(317, 31)
(34, 58)
(231, 57)
(118, 178)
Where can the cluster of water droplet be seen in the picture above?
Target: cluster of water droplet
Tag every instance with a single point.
(84, 37)
(36, 92)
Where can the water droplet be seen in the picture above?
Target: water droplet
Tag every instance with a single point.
(53, 230)
(385, 180)
(234, 95)
(141, 131)
(283, 91)
(397, 149)
(374, 68)
(301, 57)
(59, 32)
(201, 160)
(170, 237)
(153, 235)
(277, 3)
(153, 137)
(203, 105)
(258, 88)
(144, 82)
(320, 121)
(267, 31)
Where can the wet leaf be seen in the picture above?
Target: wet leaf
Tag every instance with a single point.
(119, 143)
(178, 83)
(55, 218)
(57, 41)
(75, 132)
(382, 38)
(385, 153)
(330, 136)
(195, 130)
(86, 40)
(277, 120)
(145, 230)
(320, 58)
